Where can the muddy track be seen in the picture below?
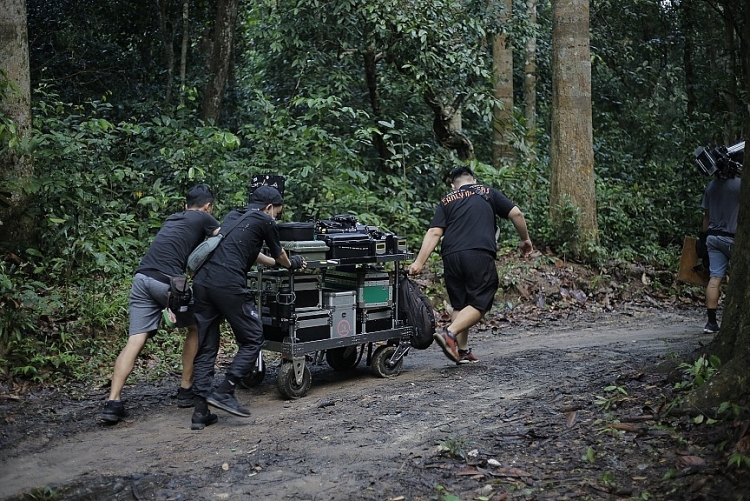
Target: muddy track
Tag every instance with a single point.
(353, 436)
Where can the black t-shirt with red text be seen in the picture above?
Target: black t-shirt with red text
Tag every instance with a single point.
(178, 236)
(227, 267)
(467, 216)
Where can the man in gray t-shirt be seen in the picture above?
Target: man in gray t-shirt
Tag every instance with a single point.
(721, 203)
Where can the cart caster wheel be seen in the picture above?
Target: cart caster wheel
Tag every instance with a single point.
(287, 383)
(342, 359)
(380, 362)
(255, 377)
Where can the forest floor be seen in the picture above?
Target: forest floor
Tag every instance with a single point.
(568, 402)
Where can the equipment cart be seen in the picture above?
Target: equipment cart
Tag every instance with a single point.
(340, 309)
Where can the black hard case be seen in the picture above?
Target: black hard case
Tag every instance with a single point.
(296, 231)
(343, 245)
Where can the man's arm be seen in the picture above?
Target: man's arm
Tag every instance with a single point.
(265, 260)
(429, 242)
(516, 217)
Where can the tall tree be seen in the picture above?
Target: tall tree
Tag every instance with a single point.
(184, 49)
(15, 121)
(529, 73)
(220, 59)
(572, 153)
(502, 69)
(167, 31)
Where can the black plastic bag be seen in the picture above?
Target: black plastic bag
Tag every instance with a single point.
(416, 308)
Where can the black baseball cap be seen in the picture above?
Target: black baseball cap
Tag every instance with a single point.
(460, 171)
(264, 195)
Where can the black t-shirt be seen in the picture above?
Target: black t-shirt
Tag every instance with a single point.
(178, 236)
(227, 267)
(468, 219)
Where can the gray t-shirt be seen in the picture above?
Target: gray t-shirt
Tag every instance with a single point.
(722, 201)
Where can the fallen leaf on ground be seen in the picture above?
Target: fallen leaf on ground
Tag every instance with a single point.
(468, 472)
(687, 461)
(510, 472)
(571, 419)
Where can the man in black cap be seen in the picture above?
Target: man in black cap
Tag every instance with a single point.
(220, 290)
(465, 220)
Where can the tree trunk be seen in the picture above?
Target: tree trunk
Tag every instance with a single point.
(529, 72)
(16, 170)
(167, 40)
(502, 64)
(572, 153)
(447, 126)
(371, 59)
(732, 343)
(220, 59)
(184, 51)
(687, 59)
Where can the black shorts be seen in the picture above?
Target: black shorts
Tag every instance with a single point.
(471, 279)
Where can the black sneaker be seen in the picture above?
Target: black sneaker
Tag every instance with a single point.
(185, 397)
(227, 402)
(113, 412)
(200, 421)
(711, 328)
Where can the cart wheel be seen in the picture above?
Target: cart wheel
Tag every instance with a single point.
(287, 383)
(380, 362)
(255, 377)
(342, 359)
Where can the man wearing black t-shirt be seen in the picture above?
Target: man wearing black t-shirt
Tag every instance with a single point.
(220, 288)
(465, 220)
(166, 257)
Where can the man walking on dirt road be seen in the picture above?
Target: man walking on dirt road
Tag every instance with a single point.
(721, 204)
(465, 220)
(166, 257)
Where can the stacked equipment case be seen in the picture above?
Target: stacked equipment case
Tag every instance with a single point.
(341, 307)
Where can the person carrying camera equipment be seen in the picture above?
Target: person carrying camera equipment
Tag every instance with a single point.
(150, 291)
(465, 219)
(220, 288)
(721, 201)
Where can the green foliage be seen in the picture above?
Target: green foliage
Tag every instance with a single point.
(614, 395)
(452, 446)
(698, 372)
(589, 456)
(37, 342)
(739, 460)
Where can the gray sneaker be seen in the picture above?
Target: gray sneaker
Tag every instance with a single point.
(227, 402)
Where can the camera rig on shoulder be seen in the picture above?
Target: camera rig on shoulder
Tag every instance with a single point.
(724, 161)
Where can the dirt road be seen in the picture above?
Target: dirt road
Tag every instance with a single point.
(504, 425)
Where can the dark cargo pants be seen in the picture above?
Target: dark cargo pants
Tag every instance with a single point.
(212, 306)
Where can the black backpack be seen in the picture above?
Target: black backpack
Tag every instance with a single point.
(415, 307)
